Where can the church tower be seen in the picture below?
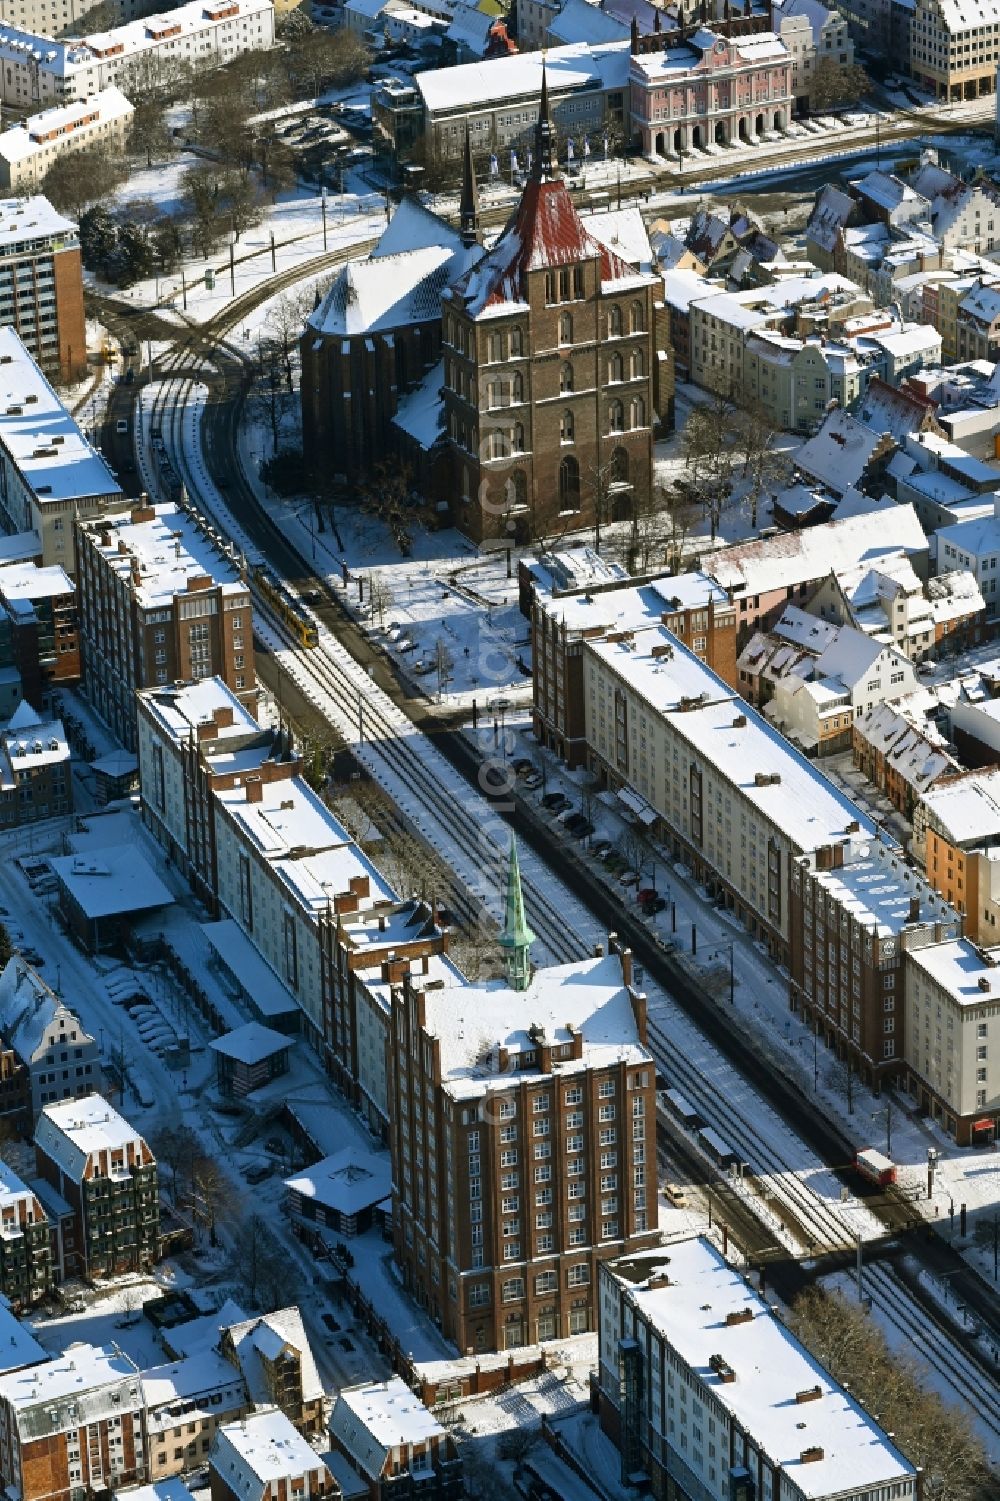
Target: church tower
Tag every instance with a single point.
(516, 938)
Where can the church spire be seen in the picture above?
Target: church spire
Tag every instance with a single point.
(469, 212)
(543, 167)
(516, 938)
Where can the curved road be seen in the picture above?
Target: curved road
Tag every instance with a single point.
(219, 437)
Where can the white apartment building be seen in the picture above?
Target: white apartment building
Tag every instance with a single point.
(61, 17)
(27, 151)
(729, 793)
(812, 34)
(794, 380)
(952, 995)
(49, 473)
(954, 51)
(35, 69)
(707, 1393)
(974, 546)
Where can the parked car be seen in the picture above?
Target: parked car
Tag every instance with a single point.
(654, 905)
(574, 822)
(522, 765)
(258, 1174)
(554, 799)
(628, 878)
(582, 828)
(496, 776)
(600, 848)
(532, 780)
(645, 892)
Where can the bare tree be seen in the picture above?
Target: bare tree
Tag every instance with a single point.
(934, 1436)
(208, 1188)
(380, 595)
(444, 664)
(175, 1147)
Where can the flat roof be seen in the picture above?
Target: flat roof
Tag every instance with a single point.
(877, 887)
(255, 976)
(80, 1368)
(115, 880)
(23, 220)
(957, 967)
(503, 80)
(168, 550)
(691, 1306)
(40, 435)
(805, 804)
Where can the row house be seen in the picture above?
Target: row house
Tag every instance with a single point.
(899, 757)
(59, 1057)
(187, 1401)
(26, 1274)
(159, 601)
(263, 1458)
(275, 1359)
(106, 1173)
(50, 474)
(691, 605)
(953, 1036)
(954, 54)
(227, 801)
(395, 1444)
(956, 840)
(706, 1393)
(73, 1426)
(855, 907)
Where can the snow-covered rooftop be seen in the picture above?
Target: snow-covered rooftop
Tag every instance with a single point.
(180, 709)
(39, 434)
(67, 1391)
(251, 1043)
(268, 1334)
(877, 887)
(71, 1132)
(267, 993)
(507, 79)
(163, 554)
(703, 709)
(64, 120)
(26, 220)
(28, 1007)
(966, 809)
(691, 1305)
(258, 1452)
(171, 1488)
(29, 581)
(776, 563)
(349, 1181)
(967, 973)
(107, 882)
(371, 1420)
(201, 1382)
(473, 1023)
(18, 1346)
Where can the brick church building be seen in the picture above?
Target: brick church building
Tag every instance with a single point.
(537, 403)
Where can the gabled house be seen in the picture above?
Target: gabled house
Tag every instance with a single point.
(391, 1438)
(276, 1361)
(59, 1058)
(264, 1458)
(186, 1402)
(106, 1173)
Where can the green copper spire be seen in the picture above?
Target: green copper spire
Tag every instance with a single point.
(516, 938)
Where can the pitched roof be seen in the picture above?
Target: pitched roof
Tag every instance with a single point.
(371, 1420)
(544, 231)
(258, 1336)
(27, 1009)
(252, 1455)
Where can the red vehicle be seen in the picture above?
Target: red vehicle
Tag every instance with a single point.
(876, 1167)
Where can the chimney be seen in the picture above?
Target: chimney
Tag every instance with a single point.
(206, 730)
(141, 513)
(359, 885)
(809, 1394)
(739, 1316)
(255, 790)
(983, 982)
(224, 716)
(198, 581)
(811, 1455)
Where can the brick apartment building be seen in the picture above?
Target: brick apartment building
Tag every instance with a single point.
(107, 1175)
(567, 609)
(41, 285)
(549, 399)
(853, 909)
(25, 1254)
(159, 602)
(35, 775)
(263, 1458)
(387, 1434)
(45, 641)
(73, 1426)
(520, 1141)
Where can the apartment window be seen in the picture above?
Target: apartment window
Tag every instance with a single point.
(606, 1089)
(575, 1096)
(578, 1276)
(512, 1290)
